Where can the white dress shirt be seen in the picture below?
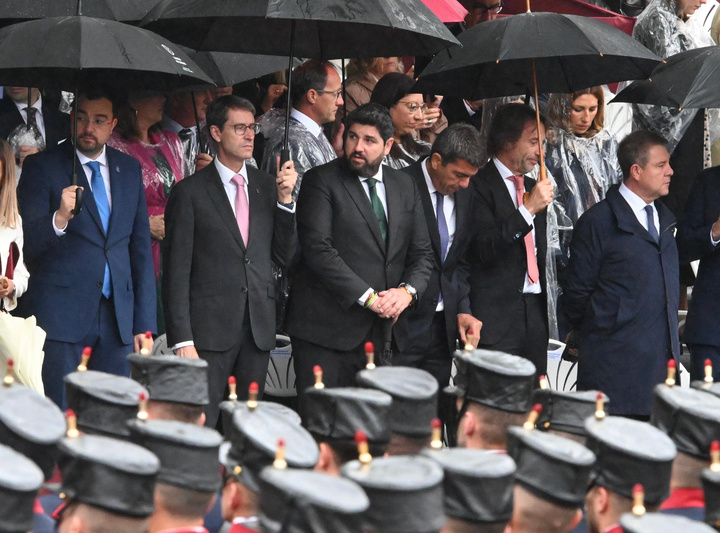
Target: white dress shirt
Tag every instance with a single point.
(448, 211)
(637, 205)
(38, 116)
(310, 125)
(506, 174)
(380, 190)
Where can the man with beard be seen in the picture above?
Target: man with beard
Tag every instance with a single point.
(366, 254)
(93, 280)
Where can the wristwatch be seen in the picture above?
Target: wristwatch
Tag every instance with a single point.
(412, 291)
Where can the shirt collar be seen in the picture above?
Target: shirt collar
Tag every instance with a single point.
(428, 179)
(37, 105)
(378, 176)
(312, 126)
(174, 127)
(226, 174)
(102, 158)
(505, 172)
(637, 204)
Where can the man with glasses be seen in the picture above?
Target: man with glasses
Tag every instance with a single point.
(93, 280)
(316, 95)
(226, 224)
(481, 11)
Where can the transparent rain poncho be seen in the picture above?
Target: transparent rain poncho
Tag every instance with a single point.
(660, 29)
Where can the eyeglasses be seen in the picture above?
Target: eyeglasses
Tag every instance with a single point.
(337, 93)
(97, 122)
(494, 9)
(413, 107)
(240, 129)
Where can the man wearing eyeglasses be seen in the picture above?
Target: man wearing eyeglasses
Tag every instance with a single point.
(226, 224)
(316, 95)
(481, 11)
(92, 276)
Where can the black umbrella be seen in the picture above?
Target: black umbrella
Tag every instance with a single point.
(320, 29)
(14, 11)
(227, 68)
(686, 80)
(64, 52)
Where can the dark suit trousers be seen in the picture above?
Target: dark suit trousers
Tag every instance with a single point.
(436, 358)
(108, 355)
(528, 333)
(244, 360)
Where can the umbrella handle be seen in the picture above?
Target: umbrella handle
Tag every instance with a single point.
(78, 201)
(284, 156)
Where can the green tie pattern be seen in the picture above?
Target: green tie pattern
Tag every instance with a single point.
(377, 207)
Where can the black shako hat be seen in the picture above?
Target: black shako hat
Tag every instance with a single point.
(711, 487)
(110, 474)
(20, 480)
(188, 453)
(414, 397)
(303, 501)
(337, 413)
(32, 425)
(691, 418)
(103, 402)
(169, 378)
(405, 493)
(630, 452)
(566, 411)
(495, 379)
(228, 409)
(478, 484)
(661, 523)
(253, 443)
(553, 468)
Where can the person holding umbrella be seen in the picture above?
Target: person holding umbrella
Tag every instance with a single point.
(93, 282)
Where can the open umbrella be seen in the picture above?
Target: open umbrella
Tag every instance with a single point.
(64, 52)
(320, 29)
(686, 80)
(447, 10)
(228, 68)
(14, 11)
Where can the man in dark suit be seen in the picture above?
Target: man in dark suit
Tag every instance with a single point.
(698, 237)
(459, 110)
(53, 124)
(507, 253)
(366, 254)
(622, 284)
(226, 224)
(93, 282)
(429, 331)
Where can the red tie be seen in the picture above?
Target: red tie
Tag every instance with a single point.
(532, 267)
(242, 211)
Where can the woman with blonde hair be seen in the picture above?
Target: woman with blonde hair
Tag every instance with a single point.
(11, 234)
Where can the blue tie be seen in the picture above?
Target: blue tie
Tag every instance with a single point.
(443, 230)
(652, 230)
(103, 207)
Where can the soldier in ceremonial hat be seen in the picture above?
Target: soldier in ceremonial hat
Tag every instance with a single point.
(302, 501)
(550, 481)
(189, 476)
(494, 392)
(691, 418)
(564, 412)
(20, 480)
(107, 484)
(229, 407)
(177, 386)
(257, 438)
(628, 452)
(638, 521)
(333, 415)
(414, 404)
(405, 491)
(478, 489)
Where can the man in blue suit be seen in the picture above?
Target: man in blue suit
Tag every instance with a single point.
(622, 285)
(92, 275)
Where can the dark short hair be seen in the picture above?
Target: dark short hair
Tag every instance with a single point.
(312, 74)
(98, 92)
(633, 149)
(507, 126)
(216, 113)
(391, 89)
(371, 115)
(459, 142)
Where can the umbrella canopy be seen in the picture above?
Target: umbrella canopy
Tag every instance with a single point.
(570, 53)
(686, 80)
(62, 52)
(325, 29)
(447, 10)
(14, 11)
(572, 7)
(227, 68)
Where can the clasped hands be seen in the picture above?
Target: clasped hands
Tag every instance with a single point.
(390, 303)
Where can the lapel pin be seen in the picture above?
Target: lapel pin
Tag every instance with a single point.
(117, 169)
(257, 191)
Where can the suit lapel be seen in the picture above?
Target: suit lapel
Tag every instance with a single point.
(417, 174)
(89, 204)
(393, 194)
(504, 203)
(216, 192)
(361, 200)
(463, 198)
(117, 190)
(256, 196)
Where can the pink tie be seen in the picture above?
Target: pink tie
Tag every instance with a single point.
(532, 267)
(242, 210)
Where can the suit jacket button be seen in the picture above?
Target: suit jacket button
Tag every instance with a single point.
(247, 261)
(107, 250)
(99, 283)
(244, 289)
(518, 235)
(435, 302)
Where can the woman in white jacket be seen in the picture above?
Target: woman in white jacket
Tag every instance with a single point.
(11, 234)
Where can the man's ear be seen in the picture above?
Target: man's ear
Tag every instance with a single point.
(202, 420)
(471, 424)
(576, 520)
(326, 463)
(75, 525)
(215, 134)
(388, 145)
